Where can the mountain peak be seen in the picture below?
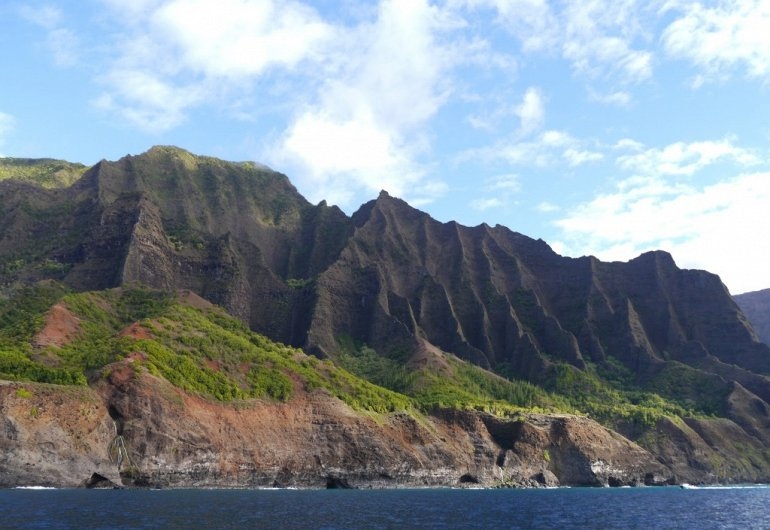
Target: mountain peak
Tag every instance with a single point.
(166, 149)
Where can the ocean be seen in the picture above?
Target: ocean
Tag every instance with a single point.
(648, 508)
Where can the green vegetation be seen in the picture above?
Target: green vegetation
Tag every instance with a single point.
(201, 351)
(686, 385)
(22, 315)
(44, 172)
(459, 385)
(614, 404)
(208, 352)
(380, 370)
(468, 386)
(23, 393)
(15, 365)
(299, 283)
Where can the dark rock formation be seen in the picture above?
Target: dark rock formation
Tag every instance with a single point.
(394, 279)
(242, 237)
(756, 307)
(97, 481)
(496, 297)
(53, 436)
(177, 440)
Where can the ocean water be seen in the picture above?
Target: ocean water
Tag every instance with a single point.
(648, 508)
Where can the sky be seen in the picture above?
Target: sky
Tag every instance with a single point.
(604, 127)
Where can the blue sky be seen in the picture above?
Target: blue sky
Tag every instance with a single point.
(605, 127)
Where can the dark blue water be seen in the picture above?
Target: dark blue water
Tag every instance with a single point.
(371, 509)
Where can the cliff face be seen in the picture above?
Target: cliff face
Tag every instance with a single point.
(509, 303)
(392, 279)
(493, 296)
(756, 307)
(238, 234)
(242, 237)
(56, 438)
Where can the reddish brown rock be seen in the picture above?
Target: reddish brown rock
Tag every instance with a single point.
(61, 436)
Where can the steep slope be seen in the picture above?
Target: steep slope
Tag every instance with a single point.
(236, 233)
(183, 395)
(503, 300)
(510, 304)
(756, 307)
(650, 350)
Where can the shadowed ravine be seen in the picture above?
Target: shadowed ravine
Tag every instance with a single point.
(662, 357)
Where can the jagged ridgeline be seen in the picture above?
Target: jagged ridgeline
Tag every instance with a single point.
(387, 309)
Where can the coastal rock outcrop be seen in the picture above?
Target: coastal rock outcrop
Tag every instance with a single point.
(57, 437)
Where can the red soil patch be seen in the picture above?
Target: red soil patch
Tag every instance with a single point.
(121, 373)
(136, 356)
(192, 299)
(136, 331)
(61, 327)
(212, 365)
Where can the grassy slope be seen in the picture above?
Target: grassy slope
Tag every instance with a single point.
(203, 351)
(45, 172)
(208, 352)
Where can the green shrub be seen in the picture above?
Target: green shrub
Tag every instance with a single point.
(23, 393)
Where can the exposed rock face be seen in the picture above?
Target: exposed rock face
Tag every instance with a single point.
(177, 440)
(492, 296)
(237, 234)
(53, 436)
(756, 307)
(240, 236)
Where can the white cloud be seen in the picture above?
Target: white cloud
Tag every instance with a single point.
(714, 227)
(721, 38)
(232, 38)
(531, 111)
(628, 144)
(547, 207)
(682, 158)
(63, 44)
(578, 157)
(618, 98)
(175, 55)
(147, 101)
(61, 41)
(133, 10)
(48, 17)
(600, 37)
(363, 132)
(502, 187)
(335, 159)
(533, 22)
(486, 204)
(7, 123)
(508, 183)
(547, 149)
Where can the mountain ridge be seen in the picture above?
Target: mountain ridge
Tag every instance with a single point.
(616, 340)
(756, 306)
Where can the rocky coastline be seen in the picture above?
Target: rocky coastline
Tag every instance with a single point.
(62, 437)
